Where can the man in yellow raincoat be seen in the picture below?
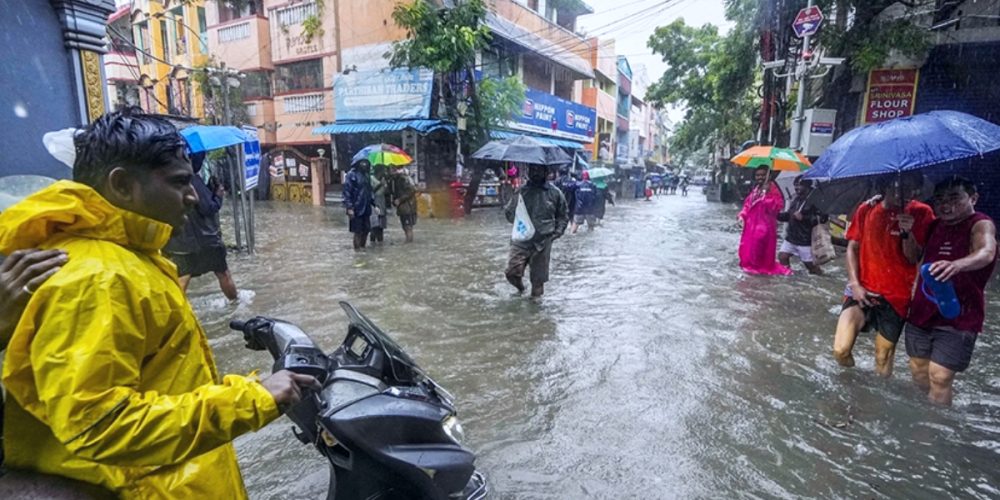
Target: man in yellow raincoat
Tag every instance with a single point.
(109, 376)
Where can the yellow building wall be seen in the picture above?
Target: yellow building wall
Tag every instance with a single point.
(192, 58)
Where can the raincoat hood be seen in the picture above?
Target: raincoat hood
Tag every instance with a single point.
(71, 208)
(109, 375)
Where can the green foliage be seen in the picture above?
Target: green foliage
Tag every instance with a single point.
(312, 27)
(444, 40)
(713, 76)
(215, 103)
(501, 99)
(867, 45)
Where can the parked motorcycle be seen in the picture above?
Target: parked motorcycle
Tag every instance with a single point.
(388, 430)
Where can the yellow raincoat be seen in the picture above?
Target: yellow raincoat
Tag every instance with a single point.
(109, 376)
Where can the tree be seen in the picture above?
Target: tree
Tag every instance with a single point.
(866, 40)
(713, 76)
(447, 40)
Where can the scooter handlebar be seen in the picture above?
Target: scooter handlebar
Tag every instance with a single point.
(237, 325)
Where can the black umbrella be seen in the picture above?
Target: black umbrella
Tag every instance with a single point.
(523, 149)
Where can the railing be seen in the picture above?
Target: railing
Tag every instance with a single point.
(295, 14)
(235, 32)
(303, 103)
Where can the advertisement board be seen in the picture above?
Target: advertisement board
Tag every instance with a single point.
(398, 94)
(550, 115)
(251, 157)
(891, 94)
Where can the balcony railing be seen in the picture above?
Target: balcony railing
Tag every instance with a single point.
(303, 103)
(235, 32)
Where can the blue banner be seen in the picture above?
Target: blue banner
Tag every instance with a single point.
(550, 115)
(397, 94)
(251, 157)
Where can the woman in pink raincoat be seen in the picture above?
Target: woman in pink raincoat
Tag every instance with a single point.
(759, 219)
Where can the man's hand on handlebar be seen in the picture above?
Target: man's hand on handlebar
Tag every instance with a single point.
(286, 387)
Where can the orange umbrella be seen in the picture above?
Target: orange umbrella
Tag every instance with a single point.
(782, 159)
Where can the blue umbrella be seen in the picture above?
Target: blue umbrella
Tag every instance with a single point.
(908, 143)
(208, 137)
(945, 140)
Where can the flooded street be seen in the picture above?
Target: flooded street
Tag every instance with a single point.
(652, 368)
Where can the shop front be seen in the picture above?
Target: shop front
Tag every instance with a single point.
(392, 107)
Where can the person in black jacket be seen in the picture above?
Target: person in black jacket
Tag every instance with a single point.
(198, 249)
(801, 217)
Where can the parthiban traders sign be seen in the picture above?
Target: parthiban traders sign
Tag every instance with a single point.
(891, 94)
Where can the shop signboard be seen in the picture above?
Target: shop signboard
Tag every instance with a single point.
(550, 115)
(891, 94)
(397, 94)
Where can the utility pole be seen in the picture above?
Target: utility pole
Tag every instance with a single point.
(800, 75)
(806, 24)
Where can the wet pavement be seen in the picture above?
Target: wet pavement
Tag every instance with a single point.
(652, 368)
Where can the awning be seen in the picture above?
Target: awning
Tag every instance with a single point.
(504, 134)
(422, 126)
(541, 46)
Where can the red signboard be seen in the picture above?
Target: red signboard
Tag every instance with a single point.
(891, 94)
(807, 21)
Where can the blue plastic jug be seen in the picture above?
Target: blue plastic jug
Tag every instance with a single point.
(941, 293)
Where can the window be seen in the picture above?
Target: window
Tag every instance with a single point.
(533, 5)
(143, 41)
(165, 41)
(304, 75)
(498, 63)
(177, 31)
(256, 84)
(203, 30)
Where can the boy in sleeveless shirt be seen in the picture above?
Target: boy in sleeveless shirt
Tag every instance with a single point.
(961, 247)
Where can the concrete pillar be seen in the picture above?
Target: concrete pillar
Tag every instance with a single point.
(319, 167)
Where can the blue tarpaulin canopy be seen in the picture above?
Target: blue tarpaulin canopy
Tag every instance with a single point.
(208, 137)
(422, 126)
(563, 143)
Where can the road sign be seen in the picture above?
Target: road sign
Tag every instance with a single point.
(807, 22)
(251, 156)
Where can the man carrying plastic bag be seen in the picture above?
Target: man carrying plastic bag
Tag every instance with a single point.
(540, 215)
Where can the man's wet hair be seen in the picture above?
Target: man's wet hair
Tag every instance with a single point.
(130, 139)
(800, 180)
(956, 181)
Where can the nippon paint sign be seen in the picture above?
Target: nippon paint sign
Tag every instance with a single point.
(891, 94)
(550, 115)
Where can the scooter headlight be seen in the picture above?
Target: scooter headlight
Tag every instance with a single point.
(453, 428)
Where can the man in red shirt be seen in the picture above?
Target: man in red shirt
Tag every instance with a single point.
(961, 249)
(884, 244)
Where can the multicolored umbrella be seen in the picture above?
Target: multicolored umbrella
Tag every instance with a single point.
(599, 172)
(383, 154)
(781, 159)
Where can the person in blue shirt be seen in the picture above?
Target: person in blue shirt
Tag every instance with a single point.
(585, 203)
(358, 200)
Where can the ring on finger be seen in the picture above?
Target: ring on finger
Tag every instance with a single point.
(27, 290)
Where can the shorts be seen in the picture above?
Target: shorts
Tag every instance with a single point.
(945, 346)
(579, 219)
(408, 220)
(204, 261)
(803, 252)
(359, 225)
(536, 260)
(881, 317)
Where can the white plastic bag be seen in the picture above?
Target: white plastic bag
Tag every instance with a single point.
(523, 230)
